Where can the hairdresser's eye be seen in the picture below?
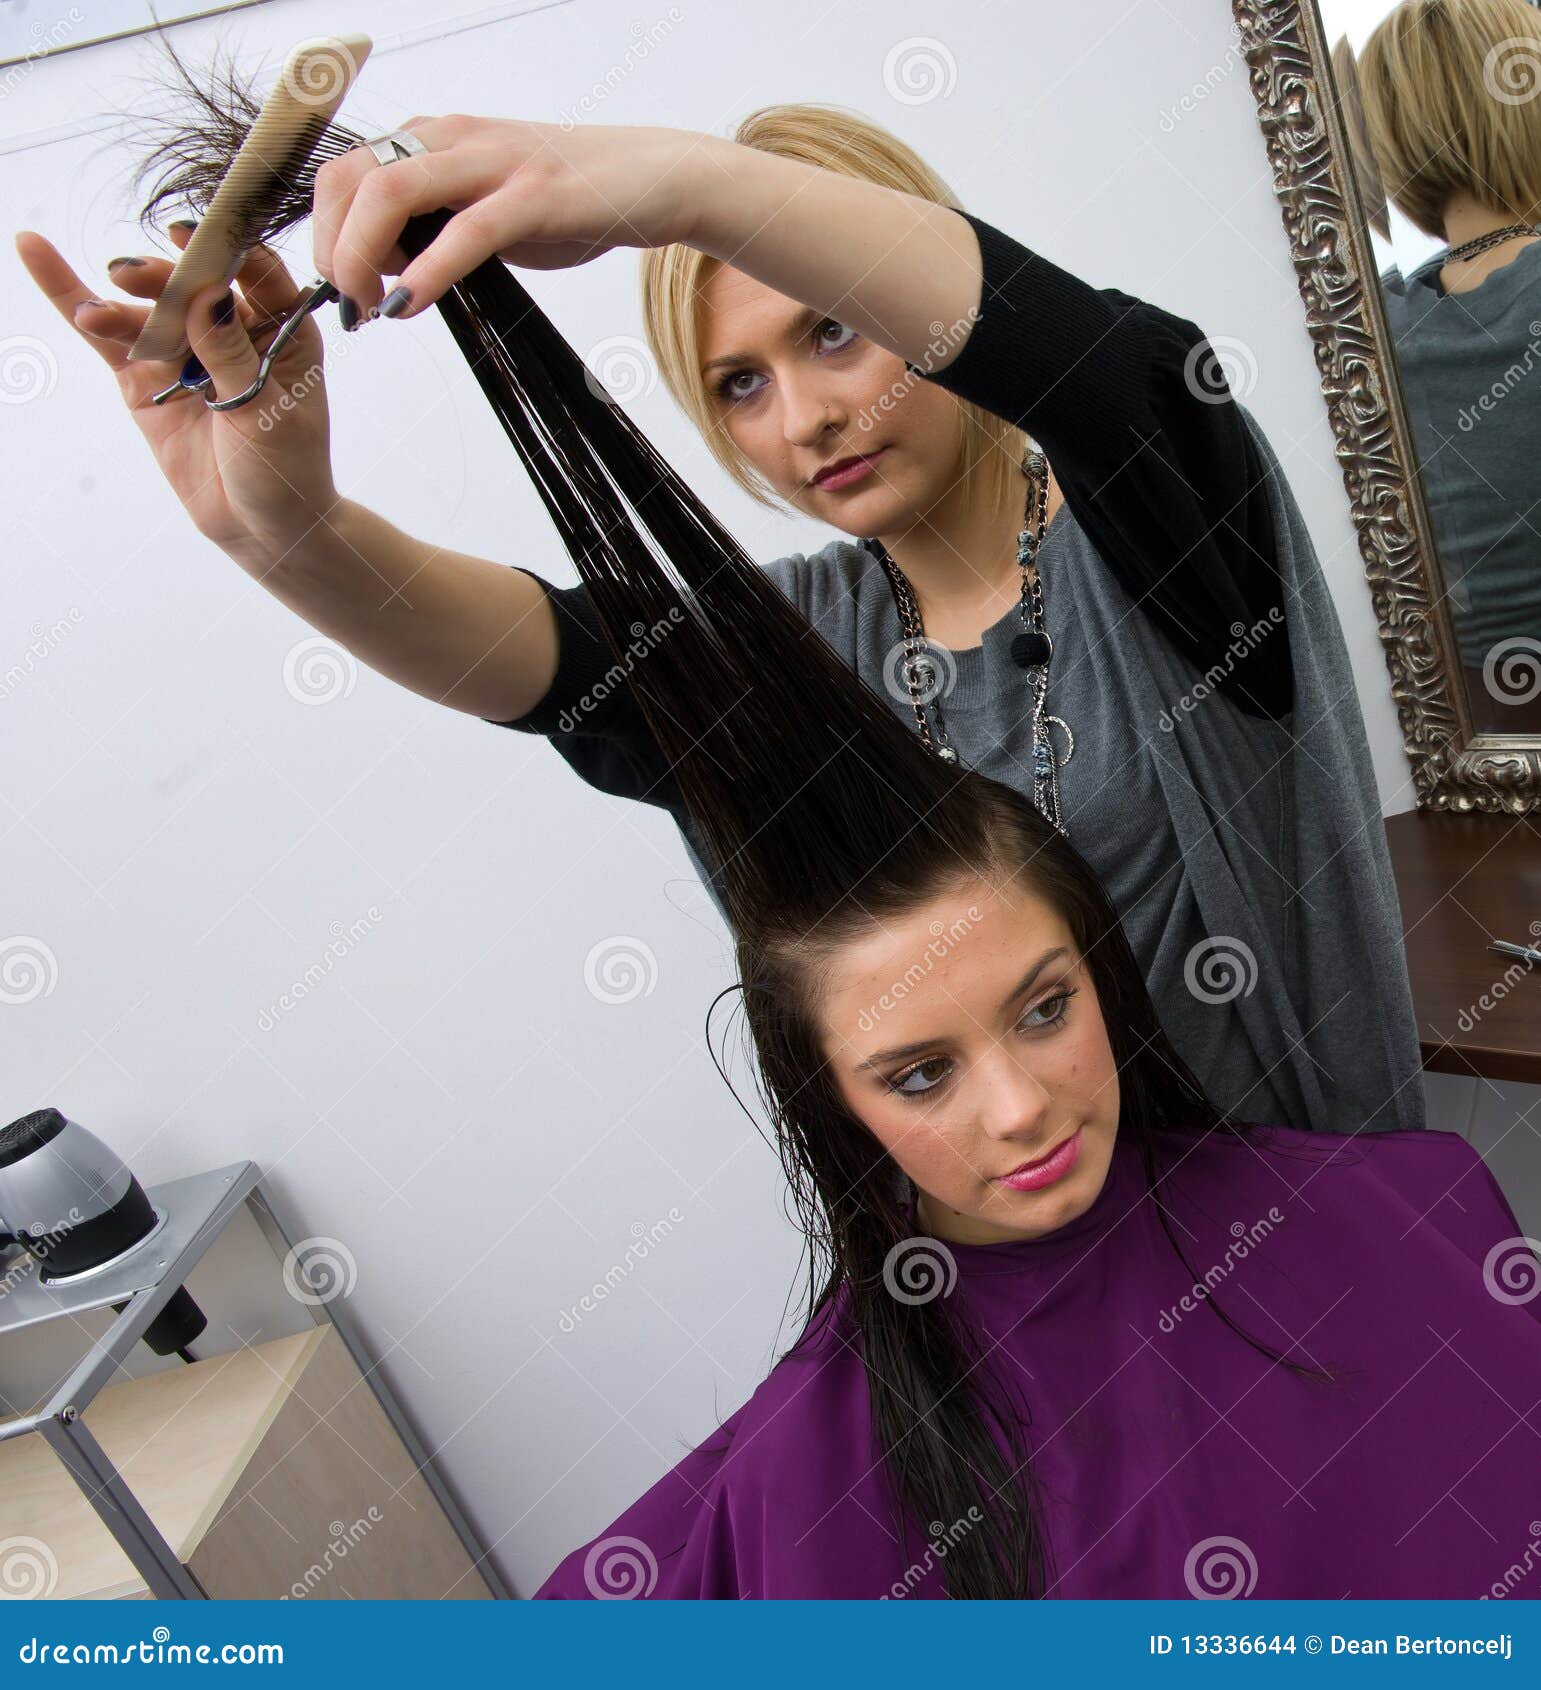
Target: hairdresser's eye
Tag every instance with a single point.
(728, 393)
(830, 323)
(726, 390)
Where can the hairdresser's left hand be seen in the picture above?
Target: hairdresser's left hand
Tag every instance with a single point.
(536, 194)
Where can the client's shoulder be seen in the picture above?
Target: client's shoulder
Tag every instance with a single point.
(1411, 1160)
(1401, 1182)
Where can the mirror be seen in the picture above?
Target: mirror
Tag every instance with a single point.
(1420, 267)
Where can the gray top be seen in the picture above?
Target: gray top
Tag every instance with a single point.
(1246, 856)
(1468, 368)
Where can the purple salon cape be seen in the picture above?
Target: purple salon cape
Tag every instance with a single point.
(1174, 1460)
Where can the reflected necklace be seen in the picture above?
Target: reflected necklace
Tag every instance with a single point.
(1494, 237)
(1031, 650)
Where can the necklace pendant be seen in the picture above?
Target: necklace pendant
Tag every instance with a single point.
(1058, 721)
(947, 754)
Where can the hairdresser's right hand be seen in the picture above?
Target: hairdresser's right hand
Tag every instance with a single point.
(255, 479)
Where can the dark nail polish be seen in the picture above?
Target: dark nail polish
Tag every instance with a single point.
(113, 263)
(184, 223)
(223, 309)
(398, 299)
(192, 373)
(347, 313)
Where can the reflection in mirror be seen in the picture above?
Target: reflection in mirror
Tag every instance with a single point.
(1442, 104)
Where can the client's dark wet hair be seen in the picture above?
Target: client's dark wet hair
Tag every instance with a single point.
(822, 817)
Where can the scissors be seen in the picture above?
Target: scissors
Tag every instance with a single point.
(194, 377)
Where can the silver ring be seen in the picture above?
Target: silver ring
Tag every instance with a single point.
(394, 144)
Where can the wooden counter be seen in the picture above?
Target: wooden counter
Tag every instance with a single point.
(1462, 881)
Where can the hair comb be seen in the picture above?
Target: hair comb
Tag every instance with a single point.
(252, 198)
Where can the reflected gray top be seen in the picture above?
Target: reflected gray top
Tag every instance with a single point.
(1470, 367)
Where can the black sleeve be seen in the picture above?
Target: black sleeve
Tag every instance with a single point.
(590, 713)
(1131, 406)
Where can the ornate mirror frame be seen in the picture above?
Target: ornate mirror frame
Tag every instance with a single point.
(1454, 768)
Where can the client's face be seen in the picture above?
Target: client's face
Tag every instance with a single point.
(808, 392)
(969, 1039)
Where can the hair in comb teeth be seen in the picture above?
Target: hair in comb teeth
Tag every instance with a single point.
(822, 816)
(198, 146)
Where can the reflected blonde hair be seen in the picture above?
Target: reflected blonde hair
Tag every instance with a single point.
(1452, 103)
(673, 277)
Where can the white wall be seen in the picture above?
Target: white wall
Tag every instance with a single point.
(187, 839)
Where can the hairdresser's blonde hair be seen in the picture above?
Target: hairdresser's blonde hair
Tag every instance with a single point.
(1452, 103)
(672, 276)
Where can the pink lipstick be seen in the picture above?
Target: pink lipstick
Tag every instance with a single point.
(1032, 1176)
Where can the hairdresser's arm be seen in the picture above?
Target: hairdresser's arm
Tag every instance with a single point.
(458, 629)
(257, 481)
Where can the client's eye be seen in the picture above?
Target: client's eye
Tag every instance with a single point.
(906, 1090)
(1052, 1009)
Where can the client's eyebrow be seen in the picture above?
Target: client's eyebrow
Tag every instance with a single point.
(898, 1051)
(796, 325)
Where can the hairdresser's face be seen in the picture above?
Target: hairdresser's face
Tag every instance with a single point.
(1003, 1068)
(811, 392)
